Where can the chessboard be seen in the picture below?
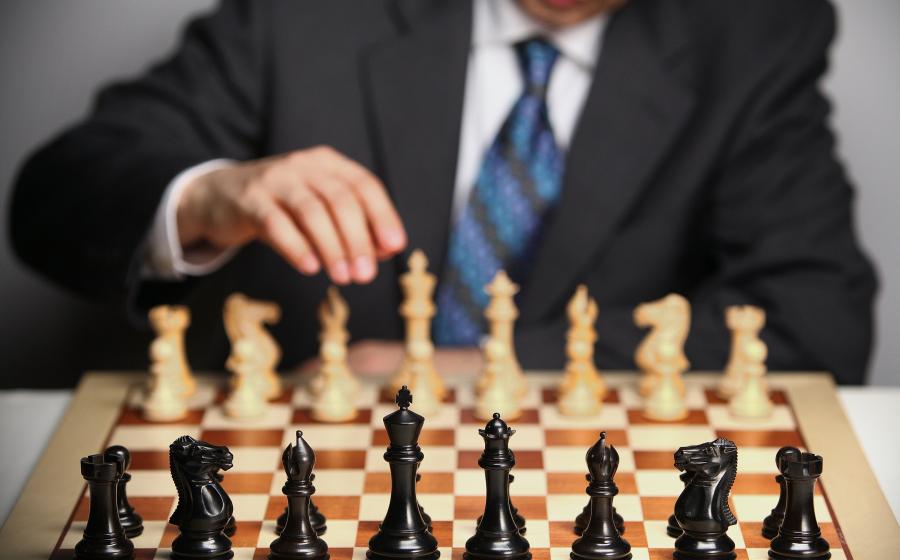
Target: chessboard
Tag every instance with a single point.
(353, 483)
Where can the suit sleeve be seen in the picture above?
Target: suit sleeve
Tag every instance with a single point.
(780, 224)
(83, 204)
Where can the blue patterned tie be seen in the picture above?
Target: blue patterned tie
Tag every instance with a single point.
(518, 182)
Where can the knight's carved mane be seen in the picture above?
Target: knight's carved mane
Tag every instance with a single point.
(723, 489)
(181, 482)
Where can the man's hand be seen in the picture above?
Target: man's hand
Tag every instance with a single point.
(315, 207)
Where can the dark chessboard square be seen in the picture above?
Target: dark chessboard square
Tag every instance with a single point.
(562, 533)
(247, 534)
(386, 397)
(550, 395)
(762, 438)
(151, 508)
(657, 508)
(528, 416)
(574, 437)
(364, 532)
(653, 460)
(247, 483)
(467, 507)
(243, 438)
(525, 459)
(443, 532)
(777, 397)
(568, 483)
(635, 534)
(304, 416)
(149, 460)
(695, 416)
(755, 483)
(752, 533)
(339, 459)
(134, 417)
(441, 437)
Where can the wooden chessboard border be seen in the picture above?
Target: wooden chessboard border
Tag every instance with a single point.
(44, 508)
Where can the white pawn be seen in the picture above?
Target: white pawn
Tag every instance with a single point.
(752, 401)
(580, 398)
(422, 382)
(334, 400)
(245, 400)
(498, 395)
(665, 403)
(164, 403)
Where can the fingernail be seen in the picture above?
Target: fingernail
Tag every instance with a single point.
(340, 272)
(394, 239)
(363, 269)
(309, 264)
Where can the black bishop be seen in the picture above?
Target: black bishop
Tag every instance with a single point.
(298, 539)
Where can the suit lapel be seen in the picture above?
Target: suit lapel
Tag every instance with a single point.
(417, 83)
(633, 113)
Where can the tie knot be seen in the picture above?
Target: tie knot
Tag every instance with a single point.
(536, 57)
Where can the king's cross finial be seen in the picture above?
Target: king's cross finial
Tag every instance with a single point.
(404, 398)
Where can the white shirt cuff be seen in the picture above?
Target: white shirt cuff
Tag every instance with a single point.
(164, 259)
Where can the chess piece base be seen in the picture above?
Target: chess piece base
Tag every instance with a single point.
(106, 548)
(133, 525)
(429, 556)
(209, 546)
(694, 546)
(814, 547)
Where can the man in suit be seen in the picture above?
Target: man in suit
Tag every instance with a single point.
(640, 147)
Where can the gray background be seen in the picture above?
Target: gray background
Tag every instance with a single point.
(53, 55)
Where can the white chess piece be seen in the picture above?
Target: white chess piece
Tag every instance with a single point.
(752, 401)
(666, 401)
(163, 402)
(245, 318)
(169, 322)
(501, 314)
(497, 394)
(579, 398)
(582, 389)
(745, 323)
(246, 399)
(669, 320)
(334, 399)
(422, 379)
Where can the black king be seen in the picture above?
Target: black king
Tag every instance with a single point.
(403, 534)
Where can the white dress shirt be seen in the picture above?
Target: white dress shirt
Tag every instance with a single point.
(493, 84)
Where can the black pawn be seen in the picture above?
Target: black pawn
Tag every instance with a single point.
(517, 517)
(130, 520)
(773, 521)
(231, 525)
(425, 517)
(581, 521)
(497, 535)
(403, 534)
(672, 527)
(298, 539)
(799, 535)
(104, 537)
(601, 539)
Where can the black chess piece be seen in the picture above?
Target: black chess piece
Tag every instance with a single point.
(231, 525)
(600, 539)
(403, 534)
(517, 517)
(316, 517)
(203, 508)
(497, 535)
(131, 521)
(581, 521)
(773, 521)
(104, 537)
(425, 517)
(799, 535)
(702, 508)
(672, 528)
(298, 540)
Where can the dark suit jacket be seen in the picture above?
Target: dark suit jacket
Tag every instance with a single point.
(702, 164)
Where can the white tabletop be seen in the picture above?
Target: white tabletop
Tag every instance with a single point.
(28, 419)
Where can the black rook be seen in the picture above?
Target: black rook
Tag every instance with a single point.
(104, 537)
(799, 535)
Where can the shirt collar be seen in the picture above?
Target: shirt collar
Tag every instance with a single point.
(504, 23)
